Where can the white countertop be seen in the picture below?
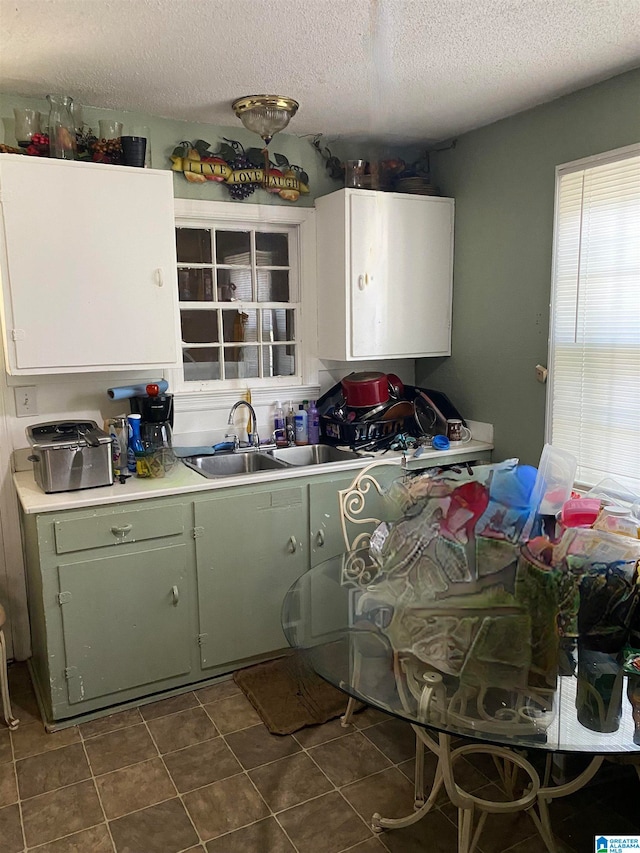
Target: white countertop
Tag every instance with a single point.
(182, 479)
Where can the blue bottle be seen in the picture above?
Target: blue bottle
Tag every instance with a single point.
(313, 423)
(135, 442)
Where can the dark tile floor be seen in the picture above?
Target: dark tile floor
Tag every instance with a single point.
(201, 772)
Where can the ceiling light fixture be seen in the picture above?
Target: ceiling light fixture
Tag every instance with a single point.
(265, 115)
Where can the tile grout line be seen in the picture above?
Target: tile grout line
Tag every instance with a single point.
(303, 750)
(178, 794)
(97, 790)
(246, 772)
(251, 782)
(15, 776)
(338, 790)
(44, 793)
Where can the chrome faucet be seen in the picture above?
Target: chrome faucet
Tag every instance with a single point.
(254, 438)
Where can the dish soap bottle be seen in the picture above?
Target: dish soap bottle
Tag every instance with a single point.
(135, 447)
(313, 423)
(302, 432)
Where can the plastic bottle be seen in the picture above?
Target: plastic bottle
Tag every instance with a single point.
(290, 423)
(118, 433)
(302, 431)
(279, 426)
(135, 441)
(313, 423)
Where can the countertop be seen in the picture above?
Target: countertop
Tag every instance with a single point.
(182, 480)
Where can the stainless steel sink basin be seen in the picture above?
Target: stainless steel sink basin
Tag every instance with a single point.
(313, 454)
(233, 464)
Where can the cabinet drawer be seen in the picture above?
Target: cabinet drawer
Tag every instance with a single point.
(80, 534)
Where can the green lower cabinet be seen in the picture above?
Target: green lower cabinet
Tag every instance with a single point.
(250, 547)
(129, 600)
(327, 539)
(125, 621)
(111, 604)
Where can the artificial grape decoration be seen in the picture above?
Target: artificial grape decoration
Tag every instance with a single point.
(241, 191)
(107, 151)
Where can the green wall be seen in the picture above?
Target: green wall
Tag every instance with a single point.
(167, 133)
(502, 178)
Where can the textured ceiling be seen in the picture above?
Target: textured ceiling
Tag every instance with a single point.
(416, 70)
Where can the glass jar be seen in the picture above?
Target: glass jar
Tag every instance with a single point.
(110, 129)
(62, 131)
(27, 123)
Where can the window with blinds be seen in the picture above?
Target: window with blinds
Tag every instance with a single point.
(239, 303)
(594, 390)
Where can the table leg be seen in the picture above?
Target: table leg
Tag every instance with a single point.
(378, 823)
(4, 686)
(546, 794)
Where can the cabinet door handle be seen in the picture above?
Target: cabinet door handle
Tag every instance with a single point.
(361, 282)
(175, 592)
(159, 278)
(320, 538)
(293, 544)
(122, 531)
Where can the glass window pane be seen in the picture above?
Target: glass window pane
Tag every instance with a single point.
(273, 286)
(278, 361)
(233, 247)
(277, 324)
(226, 289)
(272, 250)
(240, 326)
(199, 327)
(195, 285)
(241, 362)
(200, 364)
(235, 285)
(193, 246)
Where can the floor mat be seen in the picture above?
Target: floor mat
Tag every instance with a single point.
(289, 695)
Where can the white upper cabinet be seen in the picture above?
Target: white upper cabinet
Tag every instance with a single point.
(385, 273)
(88, 266)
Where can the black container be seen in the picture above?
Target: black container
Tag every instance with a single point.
(355, 433)
(133, 150)
(154, 410)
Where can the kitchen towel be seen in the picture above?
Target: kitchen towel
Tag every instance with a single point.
(204, 450)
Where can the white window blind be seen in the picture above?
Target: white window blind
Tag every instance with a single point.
(594, 393)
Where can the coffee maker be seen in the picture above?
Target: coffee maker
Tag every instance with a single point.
(156, 411)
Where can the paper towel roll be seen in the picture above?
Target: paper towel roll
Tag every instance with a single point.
(125, 391)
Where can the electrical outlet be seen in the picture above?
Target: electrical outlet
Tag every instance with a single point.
(26, 401)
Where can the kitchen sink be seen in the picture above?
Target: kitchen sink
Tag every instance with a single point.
(233, 464)
(313, 454)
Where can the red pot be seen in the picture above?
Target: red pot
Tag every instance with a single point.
(365, 389)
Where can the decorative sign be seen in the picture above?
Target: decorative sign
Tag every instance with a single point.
(242, 172)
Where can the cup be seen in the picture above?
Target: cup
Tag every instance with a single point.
(142, 130)
(133, 150)
(354, 173)
(599, 690)
(456, 431)
(110, 129)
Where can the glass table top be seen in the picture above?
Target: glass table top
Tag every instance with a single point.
(457, 665)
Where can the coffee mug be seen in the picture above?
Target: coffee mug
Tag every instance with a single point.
(456, 431)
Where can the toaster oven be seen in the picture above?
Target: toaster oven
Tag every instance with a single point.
(70, 455)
